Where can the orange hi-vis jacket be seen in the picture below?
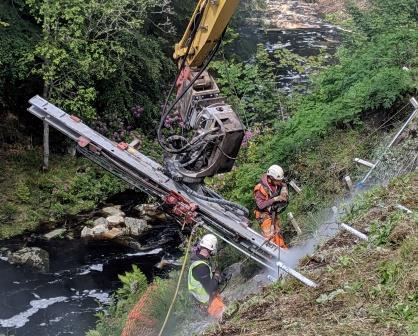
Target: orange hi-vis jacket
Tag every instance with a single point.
(269, 224)
(266, 194)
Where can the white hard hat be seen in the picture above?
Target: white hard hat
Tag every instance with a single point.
(276, 172)
(209, 241)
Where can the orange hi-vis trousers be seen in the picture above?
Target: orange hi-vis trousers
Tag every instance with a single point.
(216, 307)
(271, 231)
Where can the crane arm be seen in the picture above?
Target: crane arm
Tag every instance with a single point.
(211, 18)
(212, 132)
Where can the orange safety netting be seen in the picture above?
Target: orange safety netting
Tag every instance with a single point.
(138, 322)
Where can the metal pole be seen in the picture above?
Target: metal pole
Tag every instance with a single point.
(46, 146)
(354, 232)
(294, 223)
(296, 274)
(401, 207)
(364, 162)
(238, 248)
(415, 104)
(293, 184)
(349, 183)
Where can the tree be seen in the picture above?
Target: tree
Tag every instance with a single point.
(84, 42)
(18, 35)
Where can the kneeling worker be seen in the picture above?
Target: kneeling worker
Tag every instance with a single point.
(270, 195)
(203, 283)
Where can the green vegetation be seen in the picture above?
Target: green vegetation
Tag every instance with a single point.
(365, 289)
(111, 63)
(367, 80)
(156, 297)
(134, 285)
(30, 196)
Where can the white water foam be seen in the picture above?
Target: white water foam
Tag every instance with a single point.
(101, 296)
(155, 251)
(21, 319)
(95, 267)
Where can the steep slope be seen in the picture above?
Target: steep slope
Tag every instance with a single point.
(365, 288)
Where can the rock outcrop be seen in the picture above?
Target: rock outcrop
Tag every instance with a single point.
(116, 225)
(34, 257)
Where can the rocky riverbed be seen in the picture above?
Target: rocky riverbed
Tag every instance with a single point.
(55, 281)
(291, 14)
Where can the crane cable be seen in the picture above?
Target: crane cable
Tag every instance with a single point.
(166, 111)
(183, 267)
(197, 19)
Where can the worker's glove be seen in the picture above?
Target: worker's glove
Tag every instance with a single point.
(284, 192)
(280, 198)
(225, 277)
(217, 276)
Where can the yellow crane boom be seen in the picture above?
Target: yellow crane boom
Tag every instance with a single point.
(216, 15)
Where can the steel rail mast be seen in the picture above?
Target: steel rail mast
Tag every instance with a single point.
(222, 218)
(215, 136)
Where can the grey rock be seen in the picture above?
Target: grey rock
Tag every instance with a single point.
(86, 232)
(151, 211)
(100, 221)
(136, 226)
(239, 288)
(233, 270)
(113, 210)
(55, 233)
(99, 229)
(129, 242)
(114, 220)
(33, 257)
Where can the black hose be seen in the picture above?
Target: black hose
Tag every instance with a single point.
(220, 201)
(167, 112)
(196, 23)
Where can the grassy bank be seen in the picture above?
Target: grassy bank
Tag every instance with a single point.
(365, 288)
(31, 197)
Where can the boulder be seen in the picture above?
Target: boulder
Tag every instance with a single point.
(54, 234)
(136, 226)
(240, 288)
(99, 229)
(129, 242)
(86, 232)
(113, 233)
(100, 221)
(151, 211)
(114, 220)
(113, 210)
(233, 271)
(33, 257)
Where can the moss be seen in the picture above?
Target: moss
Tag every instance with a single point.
(30, 196)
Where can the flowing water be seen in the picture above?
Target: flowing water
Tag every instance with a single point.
(81, 279)
(64, 301)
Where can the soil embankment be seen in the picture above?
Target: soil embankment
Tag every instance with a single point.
(365, 288)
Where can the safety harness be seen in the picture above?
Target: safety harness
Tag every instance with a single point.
(267, 193)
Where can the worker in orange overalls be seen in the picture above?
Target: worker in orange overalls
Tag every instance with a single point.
(271, 194)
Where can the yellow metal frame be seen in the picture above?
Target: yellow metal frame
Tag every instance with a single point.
(215, 18)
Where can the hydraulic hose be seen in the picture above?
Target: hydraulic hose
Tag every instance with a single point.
(196, 23)
(167, 112)
(220, 200)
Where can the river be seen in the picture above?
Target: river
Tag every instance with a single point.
(82, 277)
